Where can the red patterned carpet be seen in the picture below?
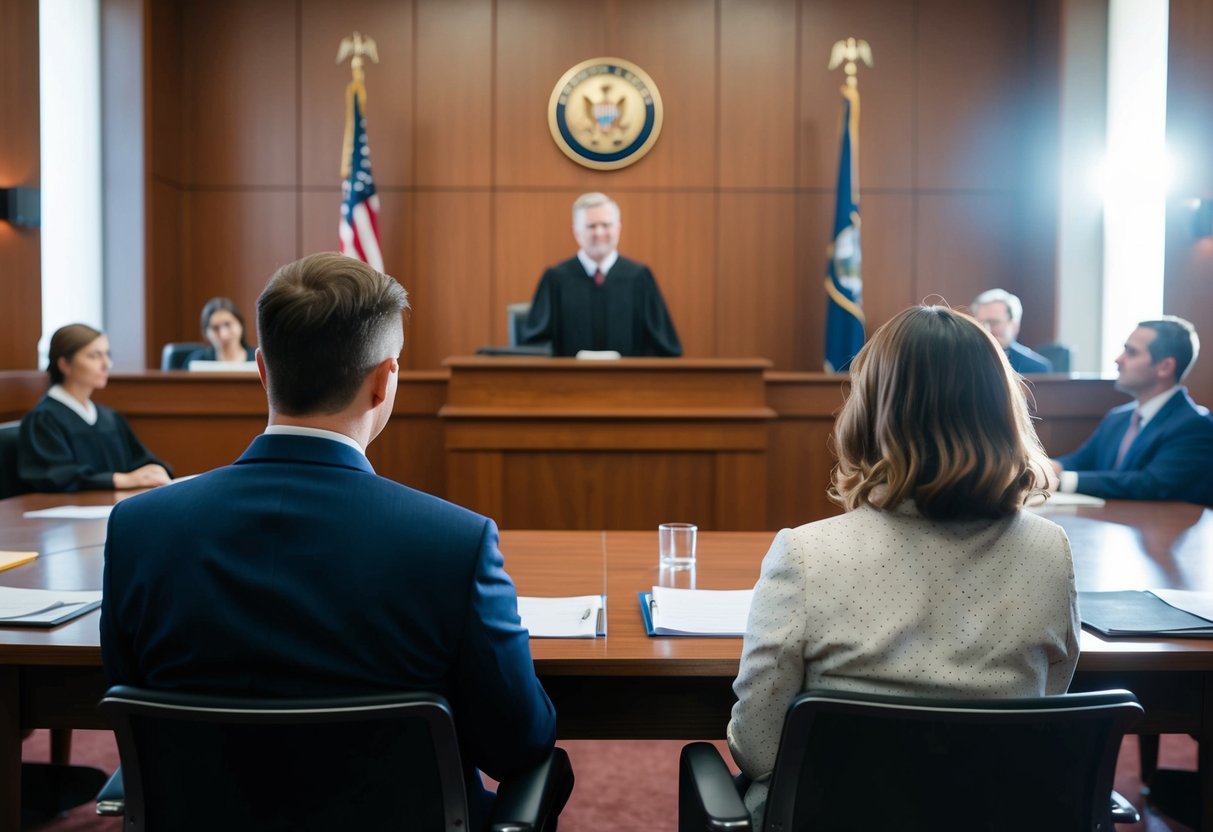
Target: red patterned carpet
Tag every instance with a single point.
(620, 785)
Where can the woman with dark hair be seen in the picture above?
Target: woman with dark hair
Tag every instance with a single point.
(935, 581)
(68, 442)
(223, 326)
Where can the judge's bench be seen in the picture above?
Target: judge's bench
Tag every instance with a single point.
(552, 443)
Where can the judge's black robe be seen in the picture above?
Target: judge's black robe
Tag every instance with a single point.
(59, 451)
(626, 313)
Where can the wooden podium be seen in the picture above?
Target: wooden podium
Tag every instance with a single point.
(558, 443)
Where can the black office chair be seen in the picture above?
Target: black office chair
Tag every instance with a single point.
(194, 762)
(173, 356)
(848, 762)
(1058, 355)
(515, 317)
(10, 483)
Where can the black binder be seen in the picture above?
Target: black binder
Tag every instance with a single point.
(1139, 613)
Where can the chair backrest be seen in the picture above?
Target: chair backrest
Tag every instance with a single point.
(10, 483)
(515, 317)
(173, 356)
(850, 761)
(194, 762)
(1058, 355)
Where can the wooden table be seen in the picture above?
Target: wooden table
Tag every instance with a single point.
(628, 685)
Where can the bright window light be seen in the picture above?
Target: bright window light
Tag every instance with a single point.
(70, 105)
(1136, 171)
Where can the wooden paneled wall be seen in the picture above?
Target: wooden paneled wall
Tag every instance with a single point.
(20, 248)
(732, 208)
(1189, 270)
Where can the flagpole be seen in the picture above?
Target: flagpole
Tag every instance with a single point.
(358, 229)
(843, 284)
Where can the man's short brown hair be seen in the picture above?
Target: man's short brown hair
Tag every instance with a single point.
(323, 323)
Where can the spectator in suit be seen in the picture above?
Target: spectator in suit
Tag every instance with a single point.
(68, 442)
(599, 300)
(1001, 312)
(298, 572)
(935, 581)
(223, 326)
(1159, 446)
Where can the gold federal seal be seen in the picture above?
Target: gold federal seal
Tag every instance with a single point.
(605, 113)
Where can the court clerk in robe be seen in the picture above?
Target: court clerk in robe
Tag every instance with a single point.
(223, 326)
(68, 442)
(599, 300)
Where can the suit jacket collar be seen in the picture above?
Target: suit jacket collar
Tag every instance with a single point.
(1172, 409)
(304, 449)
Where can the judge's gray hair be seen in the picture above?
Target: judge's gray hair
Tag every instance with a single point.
(592, 200)
(1014, 307)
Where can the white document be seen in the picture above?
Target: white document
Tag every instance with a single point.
(223, 367)
(700, 612)
(1197, 603)
(581, 616)
(1060, 498)
(72, 513)
(598, 355)
(32, 605)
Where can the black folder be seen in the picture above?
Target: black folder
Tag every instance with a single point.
(1139, 613)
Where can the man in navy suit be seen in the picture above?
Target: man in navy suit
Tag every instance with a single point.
(1000, 312)
(298, 572)
(1159, 447)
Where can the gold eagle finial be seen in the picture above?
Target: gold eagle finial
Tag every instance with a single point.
(358, 47)
(850, 51)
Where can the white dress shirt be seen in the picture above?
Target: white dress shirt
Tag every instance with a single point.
(316, 433)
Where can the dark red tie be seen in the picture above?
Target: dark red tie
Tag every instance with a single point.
(599, 278)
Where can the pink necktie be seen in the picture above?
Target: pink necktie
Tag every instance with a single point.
(1130, 435)
(599, 278)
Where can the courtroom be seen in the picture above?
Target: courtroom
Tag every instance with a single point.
(686, 414)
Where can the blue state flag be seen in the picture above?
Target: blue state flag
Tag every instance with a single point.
(844, 285)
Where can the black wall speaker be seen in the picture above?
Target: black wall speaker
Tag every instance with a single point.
(21, 207)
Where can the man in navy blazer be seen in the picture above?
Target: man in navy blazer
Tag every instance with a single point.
(298, 572)
(1159, 447)
(1001, 312)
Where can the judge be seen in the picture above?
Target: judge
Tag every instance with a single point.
(599, 300)
(68, 442)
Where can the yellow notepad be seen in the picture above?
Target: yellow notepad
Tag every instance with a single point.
(11, 559)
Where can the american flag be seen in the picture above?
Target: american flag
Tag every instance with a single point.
(359, 229)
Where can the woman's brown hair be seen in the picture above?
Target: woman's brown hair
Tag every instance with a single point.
(936, 415)
(65, 343)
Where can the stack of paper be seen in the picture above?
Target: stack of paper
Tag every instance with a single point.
(1060, 498)
(582, 616)
(43, 607)
(71, 513)
(695, 612)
